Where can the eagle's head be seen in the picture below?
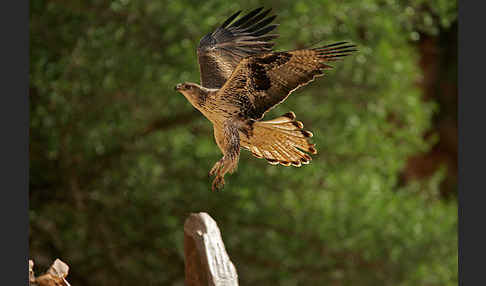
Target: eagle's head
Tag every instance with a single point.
(193, 92)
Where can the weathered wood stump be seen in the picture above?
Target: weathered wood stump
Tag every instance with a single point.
(206, 260)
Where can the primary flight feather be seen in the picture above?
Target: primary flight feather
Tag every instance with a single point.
(242, 78)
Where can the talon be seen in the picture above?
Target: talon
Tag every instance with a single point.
(212, 171)
(218, 183)
(215, 168)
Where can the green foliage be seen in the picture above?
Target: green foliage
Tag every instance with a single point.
(119, 159)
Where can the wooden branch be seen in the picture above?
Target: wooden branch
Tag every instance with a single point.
(55, 276)
(31, 272)
(206, 260)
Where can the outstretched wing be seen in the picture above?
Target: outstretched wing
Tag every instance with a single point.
(262, 81)
(220, 52)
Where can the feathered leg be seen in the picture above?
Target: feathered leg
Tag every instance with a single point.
(228, 141)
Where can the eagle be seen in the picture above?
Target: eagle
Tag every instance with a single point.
(242, 77)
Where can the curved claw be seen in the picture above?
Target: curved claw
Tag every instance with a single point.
(216, 168)
(218, 183)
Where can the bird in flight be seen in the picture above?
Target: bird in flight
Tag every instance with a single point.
(242, 78)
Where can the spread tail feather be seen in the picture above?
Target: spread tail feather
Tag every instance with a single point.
(281, 140)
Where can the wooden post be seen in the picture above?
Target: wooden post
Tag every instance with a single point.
(206, 260)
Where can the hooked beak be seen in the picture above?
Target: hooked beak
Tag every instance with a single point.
(178, 87)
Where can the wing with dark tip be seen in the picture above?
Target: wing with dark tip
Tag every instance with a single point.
(220, 51)
(263, 81)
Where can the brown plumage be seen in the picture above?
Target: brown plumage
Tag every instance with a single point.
(220, 51)
(241, 79)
